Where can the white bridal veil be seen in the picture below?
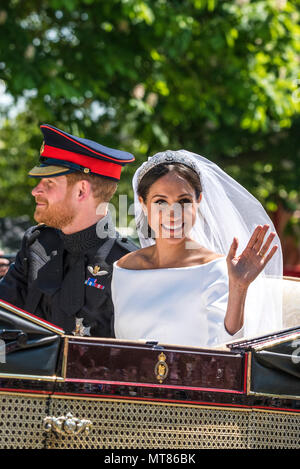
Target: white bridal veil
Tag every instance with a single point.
(226, 210)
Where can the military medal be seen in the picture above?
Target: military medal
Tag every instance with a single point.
(92, 282)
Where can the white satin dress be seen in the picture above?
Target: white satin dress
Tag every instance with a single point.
(178, 306)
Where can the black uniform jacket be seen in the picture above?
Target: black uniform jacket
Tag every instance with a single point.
(66, 279)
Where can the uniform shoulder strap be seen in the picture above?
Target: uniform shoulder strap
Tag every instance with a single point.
(127, 244)
(105, 248)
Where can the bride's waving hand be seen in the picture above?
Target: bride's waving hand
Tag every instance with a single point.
(244, 269)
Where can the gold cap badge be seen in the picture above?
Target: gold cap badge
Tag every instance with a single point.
(42, 148)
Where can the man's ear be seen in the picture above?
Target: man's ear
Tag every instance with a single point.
(83, 189)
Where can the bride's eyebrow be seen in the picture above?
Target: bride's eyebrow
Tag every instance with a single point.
(165, 196)
(186, 194)
(159, 195)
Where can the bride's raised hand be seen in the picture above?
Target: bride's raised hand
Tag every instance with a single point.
(243, 269)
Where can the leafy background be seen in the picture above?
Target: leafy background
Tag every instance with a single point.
(220, 78)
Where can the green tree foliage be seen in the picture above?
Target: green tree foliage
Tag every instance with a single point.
(19, 152)
(220, 78)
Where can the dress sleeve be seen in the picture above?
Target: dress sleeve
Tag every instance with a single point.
(215, 297)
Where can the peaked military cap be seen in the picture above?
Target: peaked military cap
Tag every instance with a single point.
(62, 153)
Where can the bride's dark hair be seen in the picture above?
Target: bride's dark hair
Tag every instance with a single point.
(164, 168)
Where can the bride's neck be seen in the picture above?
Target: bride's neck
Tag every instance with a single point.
(168, 254)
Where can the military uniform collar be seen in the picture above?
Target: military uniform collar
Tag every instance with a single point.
(88, 238)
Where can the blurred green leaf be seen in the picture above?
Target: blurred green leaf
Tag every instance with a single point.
(220, 78)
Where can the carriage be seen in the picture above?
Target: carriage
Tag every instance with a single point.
(64, 391)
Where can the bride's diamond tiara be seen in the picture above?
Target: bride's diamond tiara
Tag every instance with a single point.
(169, 157)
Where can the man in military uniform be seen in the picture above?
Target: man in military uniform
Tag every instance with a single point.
(63, 270)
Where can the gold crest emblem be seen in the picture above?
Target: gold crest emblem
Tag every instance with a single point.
(42, 148)
(161, 368)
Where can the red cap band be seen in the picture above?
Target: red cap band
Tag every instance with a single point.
(97, 166)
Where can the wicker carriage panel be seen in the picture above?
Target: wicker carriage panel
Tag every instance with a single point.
(134, 425)
(21, 423)
(150, 426)
(274, 430)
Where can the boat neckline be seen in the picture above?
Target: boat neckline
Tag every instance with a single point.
(170, 268)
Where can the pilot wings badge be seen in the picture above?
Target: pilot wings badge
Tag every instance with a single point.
(96, 270)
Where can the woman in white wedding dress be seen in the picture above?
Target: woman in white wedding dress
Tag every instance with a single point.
(188, 284)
